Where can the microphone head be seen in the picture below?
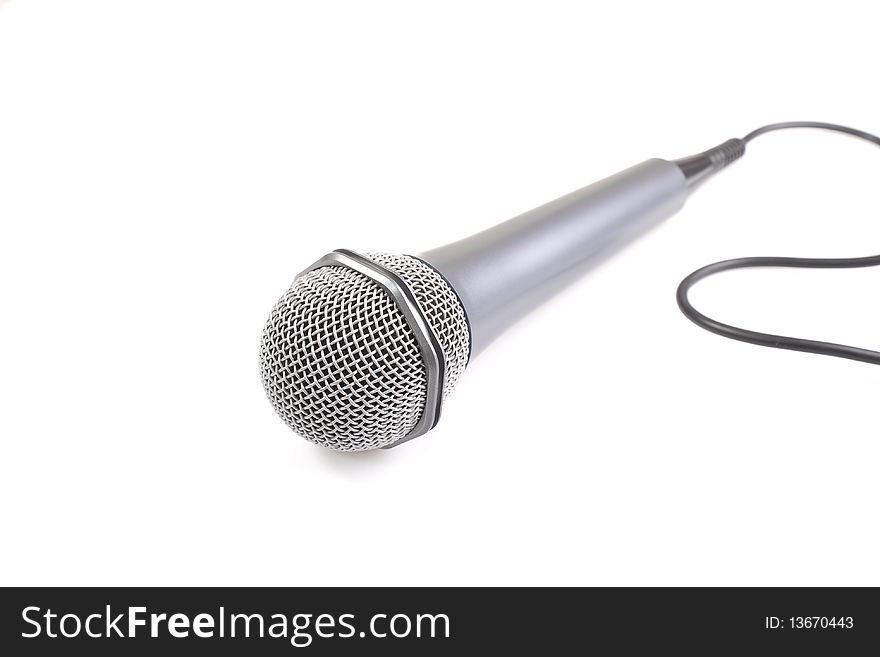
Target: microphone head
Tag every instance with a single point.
(345, 355)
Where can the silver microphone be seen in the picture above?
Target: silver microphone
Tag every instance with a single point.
(362, 351)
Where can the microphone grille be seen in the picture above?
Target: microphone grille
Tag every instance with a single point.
(340, 363)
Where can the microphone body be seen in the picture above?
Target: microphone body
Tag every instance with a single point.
(363, 350)
(501, 273)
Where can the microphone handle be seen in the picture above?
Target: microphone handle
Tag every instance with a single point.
(503, 272)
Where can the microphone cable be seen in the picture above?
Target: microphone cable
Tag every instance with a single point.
(768, 339)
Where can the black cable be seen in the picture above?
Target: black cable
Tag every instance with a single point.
(861, 134)
(768, 339)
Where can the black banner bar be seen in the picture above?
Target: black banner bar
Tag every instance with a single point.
(319, 621)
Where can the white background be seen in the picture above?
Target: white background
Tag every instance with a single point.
(166, 168)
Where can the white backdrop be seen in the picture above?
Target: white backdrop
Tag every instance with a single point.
(166, 168)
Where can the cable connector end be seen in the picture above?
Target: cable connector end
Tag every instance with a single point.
(697, 168)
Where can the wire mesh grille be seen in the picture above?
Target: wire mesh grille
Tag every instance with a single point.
(341, 365)
(442, 309)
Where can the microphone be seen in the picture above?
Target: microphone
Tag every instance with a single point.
(363, 350)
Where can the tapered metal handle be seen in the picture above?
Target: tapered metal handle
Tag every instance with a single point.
(503, 272)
